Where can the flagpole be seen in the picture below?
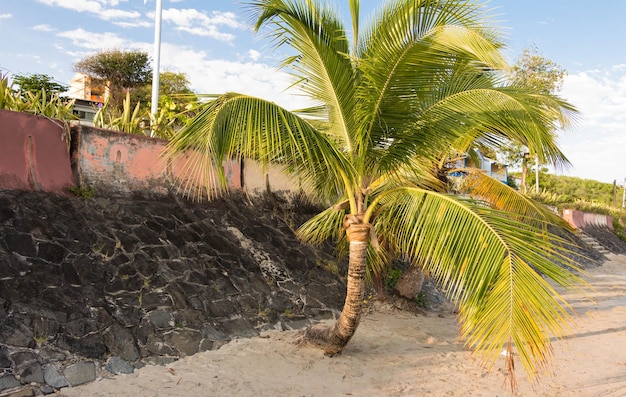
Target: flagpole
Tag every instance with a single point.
(157, 61)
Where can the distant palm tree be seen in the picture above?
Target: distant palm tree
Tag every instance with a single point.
(425, 79)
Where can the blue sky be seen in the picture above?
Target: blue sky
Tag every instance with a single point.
(211, 41)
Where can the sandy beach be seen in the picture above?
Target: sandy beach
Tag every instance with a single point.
(397, 353)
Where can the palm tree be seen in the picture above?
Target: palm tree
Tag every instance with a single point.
(424, 79)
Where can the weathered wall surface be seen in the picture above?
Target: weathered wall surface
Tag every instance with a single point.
(34, 156)
(258, 179)
(584, 220)
(128, 281)
(33, 153)
(116, 162)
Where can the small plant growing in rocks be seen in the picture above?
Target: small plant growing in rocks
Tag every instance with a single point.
(392, 277)
(83, 192)
(420, 300)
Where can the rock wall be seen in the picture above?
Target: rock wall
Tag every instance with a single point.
(120, 282)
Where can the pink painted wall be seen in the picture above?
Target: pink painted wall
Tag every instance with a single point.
(582, 220)
(120, 163)
(33, 153)
(34, 156)
(186, 162)
(117, 162)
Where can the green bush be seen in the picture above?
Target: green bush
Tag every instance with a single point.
(392, 277)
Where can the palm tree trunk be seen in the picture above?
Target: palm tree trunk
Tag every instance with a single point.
(333, 339)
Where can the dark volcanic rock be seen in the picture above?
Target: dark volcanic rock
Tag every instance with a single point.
(608, 239)
(54, 377)
(116, 365)
(8, 382)
(143, 280)
(81, 372)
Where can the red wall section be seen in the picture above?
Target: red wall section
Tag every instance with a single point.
(117, 162)
(581, 220)
(33, 153)
(120, 163)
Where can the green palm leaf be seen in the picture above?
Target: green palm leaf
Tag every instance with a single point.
(323, 68)
(490, 264)
(502, 197)
(240, 126)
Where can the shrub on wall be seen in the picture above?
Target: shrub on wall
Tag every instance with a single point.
(39, 103)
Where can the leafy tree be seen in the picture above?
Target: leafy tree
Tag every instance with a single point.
(543, 75)
(174, 87)
(177, 102)
(36, 82)
(570, 188)
(130, 120)
(174, 84)
(536, 71)
(120, 71)
(423, 78)
(7, 95)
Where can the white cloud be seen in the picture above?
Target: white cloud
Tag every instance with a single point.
(95, 7)
(111, 3)
(109, 14)
(597, 143)
(96, 41)
(44, 28)
(217, 76)
(254, 55)
(207, 31)
(199, 23)
(134, 24)
(547, 21)
(6, 16)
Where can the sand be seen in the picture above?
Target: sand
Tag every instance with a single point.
(396, 353)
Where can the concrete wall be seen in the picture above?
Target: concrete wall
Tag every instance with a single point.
(110, 160)
(119, 162)
(258, 179)
(33, 153)
(583, 220)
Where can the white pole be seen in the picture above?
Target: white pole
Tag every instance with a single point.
(157, 61)
(624, 195)
(537, 176)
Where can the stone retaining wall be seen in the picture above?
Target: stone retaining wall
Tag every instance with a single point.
(115, 283)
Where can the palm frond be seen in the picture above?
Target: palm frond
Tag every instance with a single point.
(504, 198)
(493, 113)
(240, 126)
(323, 68)
(401, 59)
(490, 264)
(325, 226)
